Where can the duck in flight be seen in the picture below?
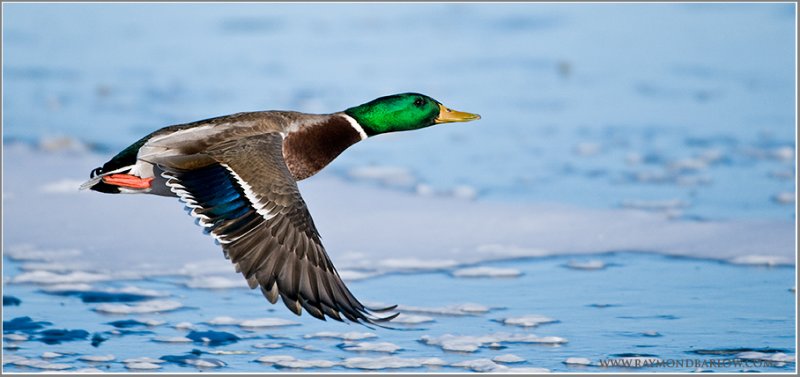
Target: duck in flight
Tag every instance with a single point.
(237, 174)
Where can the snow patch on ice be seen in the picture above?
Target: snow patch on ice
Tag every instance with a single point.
(251, 323)
(411, 319)
(417, 264)
(183, 325)
(508, 358)
(777, 356)
(155, 306)
(15, 337)
(215, 282)
(171, 339)
(143, 360)
(761, 260)
(451, 310)
(338, 335)
(471, 343)
(577, 361)
(586, 265)
(494, 272)
(272, 359)
(386, 347)
(390, 362)
(355, 275)
(97, 358)
(142, 366)
(36, 364)
(531, 320)
(27, 252)
(46, 277)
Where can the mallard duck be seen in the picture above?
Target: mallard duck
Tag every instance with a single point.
(237, 174)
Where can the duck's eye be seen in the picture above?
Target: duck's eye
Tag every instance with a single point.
(419, 102)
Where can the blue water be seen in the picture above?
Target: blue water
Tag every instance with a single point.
(669, 308)
(683, 109)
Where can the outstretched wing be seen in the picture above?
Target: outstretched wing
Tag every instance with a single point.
(243, 194)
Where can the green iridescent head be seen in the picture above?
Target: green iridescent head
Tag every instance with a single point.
(404, 112)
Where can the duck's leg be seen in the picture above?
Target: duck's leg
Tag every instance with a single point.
(127, 180)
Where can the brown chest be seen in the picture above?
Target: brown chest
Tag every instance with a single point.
(311, 148)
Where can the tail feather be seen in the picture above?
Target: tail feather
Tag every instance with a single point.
(96, 183)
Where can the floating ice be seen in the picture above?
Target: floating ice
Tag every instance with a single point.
(51, 355)
(586, 265)
(390, 362)
(763, 260)
(251, 323)
(15, 337)
(416, 264)
(354, 275)
(26, 252)
(228, 352)
(494, 272)
(194, 361)
(97, 358)
(37, 364)
(577, 361)
(370, 347)
(57, 266)
(469, 343)
(305, 364)
(480, 365)
(223, 321)
(215, 282)
(508, 358)
(183, 325)
(88, 370)
(155, 306)
(143, 360)
(9, 359)
(172, 339)
(47, 277)
(267, 322)
(486, 365)
(532, 320)
(411, 319)
(509, 251)
(142, 366)
(272, 359)
(774, 356)
(452, 310)
(283, 345)
(527, 370)
(344, 336)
